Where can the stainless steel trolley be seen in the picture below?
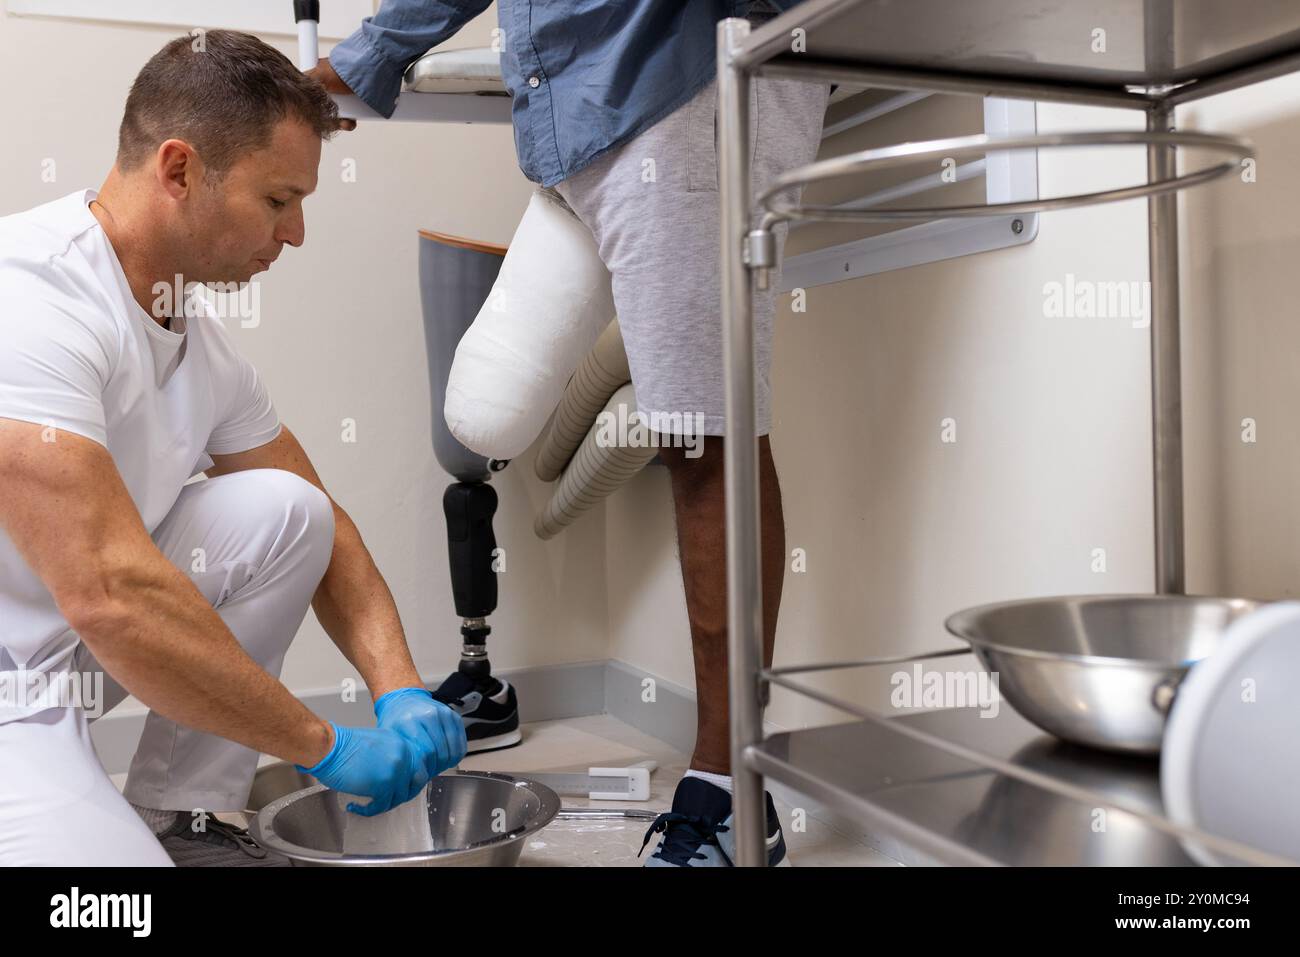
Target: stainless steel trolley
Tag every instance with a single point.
(1165, 53)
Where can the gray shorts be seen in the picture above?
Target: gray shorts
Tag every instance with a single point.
(652, 207)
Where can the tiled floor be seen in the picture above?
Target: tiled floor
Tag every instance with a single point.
(575, 744)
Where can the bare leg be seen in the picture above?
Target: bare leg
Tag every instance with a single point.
(699, 504)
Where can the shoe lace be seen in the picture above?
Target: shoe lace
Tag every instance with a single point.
(460, 702)
(684, 834)
(446, 698)
(217, 831)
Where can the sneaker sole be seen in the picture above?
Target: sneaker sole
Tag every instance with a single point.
(497, 742)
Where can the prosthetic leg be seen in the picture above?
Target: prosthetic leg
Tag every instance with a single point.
(549, 302)
(455, 278)
(504, 332)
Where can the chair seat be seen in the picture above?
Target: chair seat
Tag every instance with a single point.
(478, 70)
(470, 70)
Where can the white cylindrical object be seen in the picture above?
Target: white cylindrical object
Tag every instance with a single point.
(308, 45)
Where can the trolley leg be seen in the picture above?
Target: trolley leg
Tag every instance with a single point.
(1166, 370)
(744, 593)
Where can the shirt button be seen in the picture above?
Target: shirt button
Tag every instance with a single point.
(534, 82)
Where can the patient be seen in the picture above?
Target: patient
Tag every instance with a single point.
(614, 106)
(116, 575)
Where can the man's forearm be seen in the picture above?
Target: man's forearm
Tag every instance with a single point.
(372, 60)
(355, 607)
(158, 636)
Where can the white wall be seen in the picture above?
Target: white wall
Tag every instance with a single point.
(338, 18)
(1241, 346)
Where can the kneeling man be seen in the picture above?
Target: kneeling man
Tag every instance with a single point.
(112, 397)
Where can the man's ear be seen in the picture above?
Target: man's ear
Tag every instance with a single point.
(178, 168)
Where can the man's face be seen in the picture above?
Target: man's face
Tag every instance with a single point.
(239, 228)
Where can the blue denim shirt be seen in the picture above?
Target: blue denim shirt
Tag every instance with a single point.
(586, 75)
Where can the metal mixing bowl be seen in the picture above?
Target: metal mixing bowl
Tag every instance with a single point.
(275, 781)
(466, 819)
(1098, 670)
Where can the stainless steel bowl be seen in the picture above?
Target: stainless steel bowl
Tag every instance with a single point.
(466, 819)
(275, 781)
(1098, 670)
(1063, 828)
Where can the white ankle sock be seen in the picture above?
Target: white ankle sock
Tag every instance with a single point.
(721, 780)
(156, 820)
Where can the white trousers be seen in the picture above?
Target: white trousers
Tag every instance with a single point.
(256, 544)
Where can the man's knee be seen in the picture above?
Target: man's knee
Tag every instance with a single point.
(221, 532)
(308, 502)
(705, 452)
(293, 500)
(708, 453)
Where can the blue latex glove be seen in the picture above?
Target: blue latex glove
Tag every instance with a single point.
(375, 763)
(437, 730)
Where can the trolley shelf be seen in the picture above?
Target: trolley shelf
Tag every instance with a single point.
(923, 805)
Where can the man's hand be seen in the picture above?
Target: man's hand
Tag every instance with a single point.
(374, 763)
(324, 74)
(437, 730)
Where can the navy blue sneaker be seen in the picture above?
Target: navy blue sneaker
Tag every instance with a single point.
(489, 709)
(697, 831)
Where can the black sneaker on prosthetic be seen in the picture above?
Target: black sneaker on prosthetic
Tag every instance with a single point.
(488, 708)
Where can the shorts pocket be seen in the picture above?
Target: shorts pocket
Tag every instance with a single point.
(702, 136)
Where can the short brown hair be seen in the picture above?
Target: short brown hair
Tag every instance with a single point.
(222, 92)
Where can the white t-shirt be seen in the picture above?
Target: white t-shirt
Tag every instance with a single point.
(78, 353)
